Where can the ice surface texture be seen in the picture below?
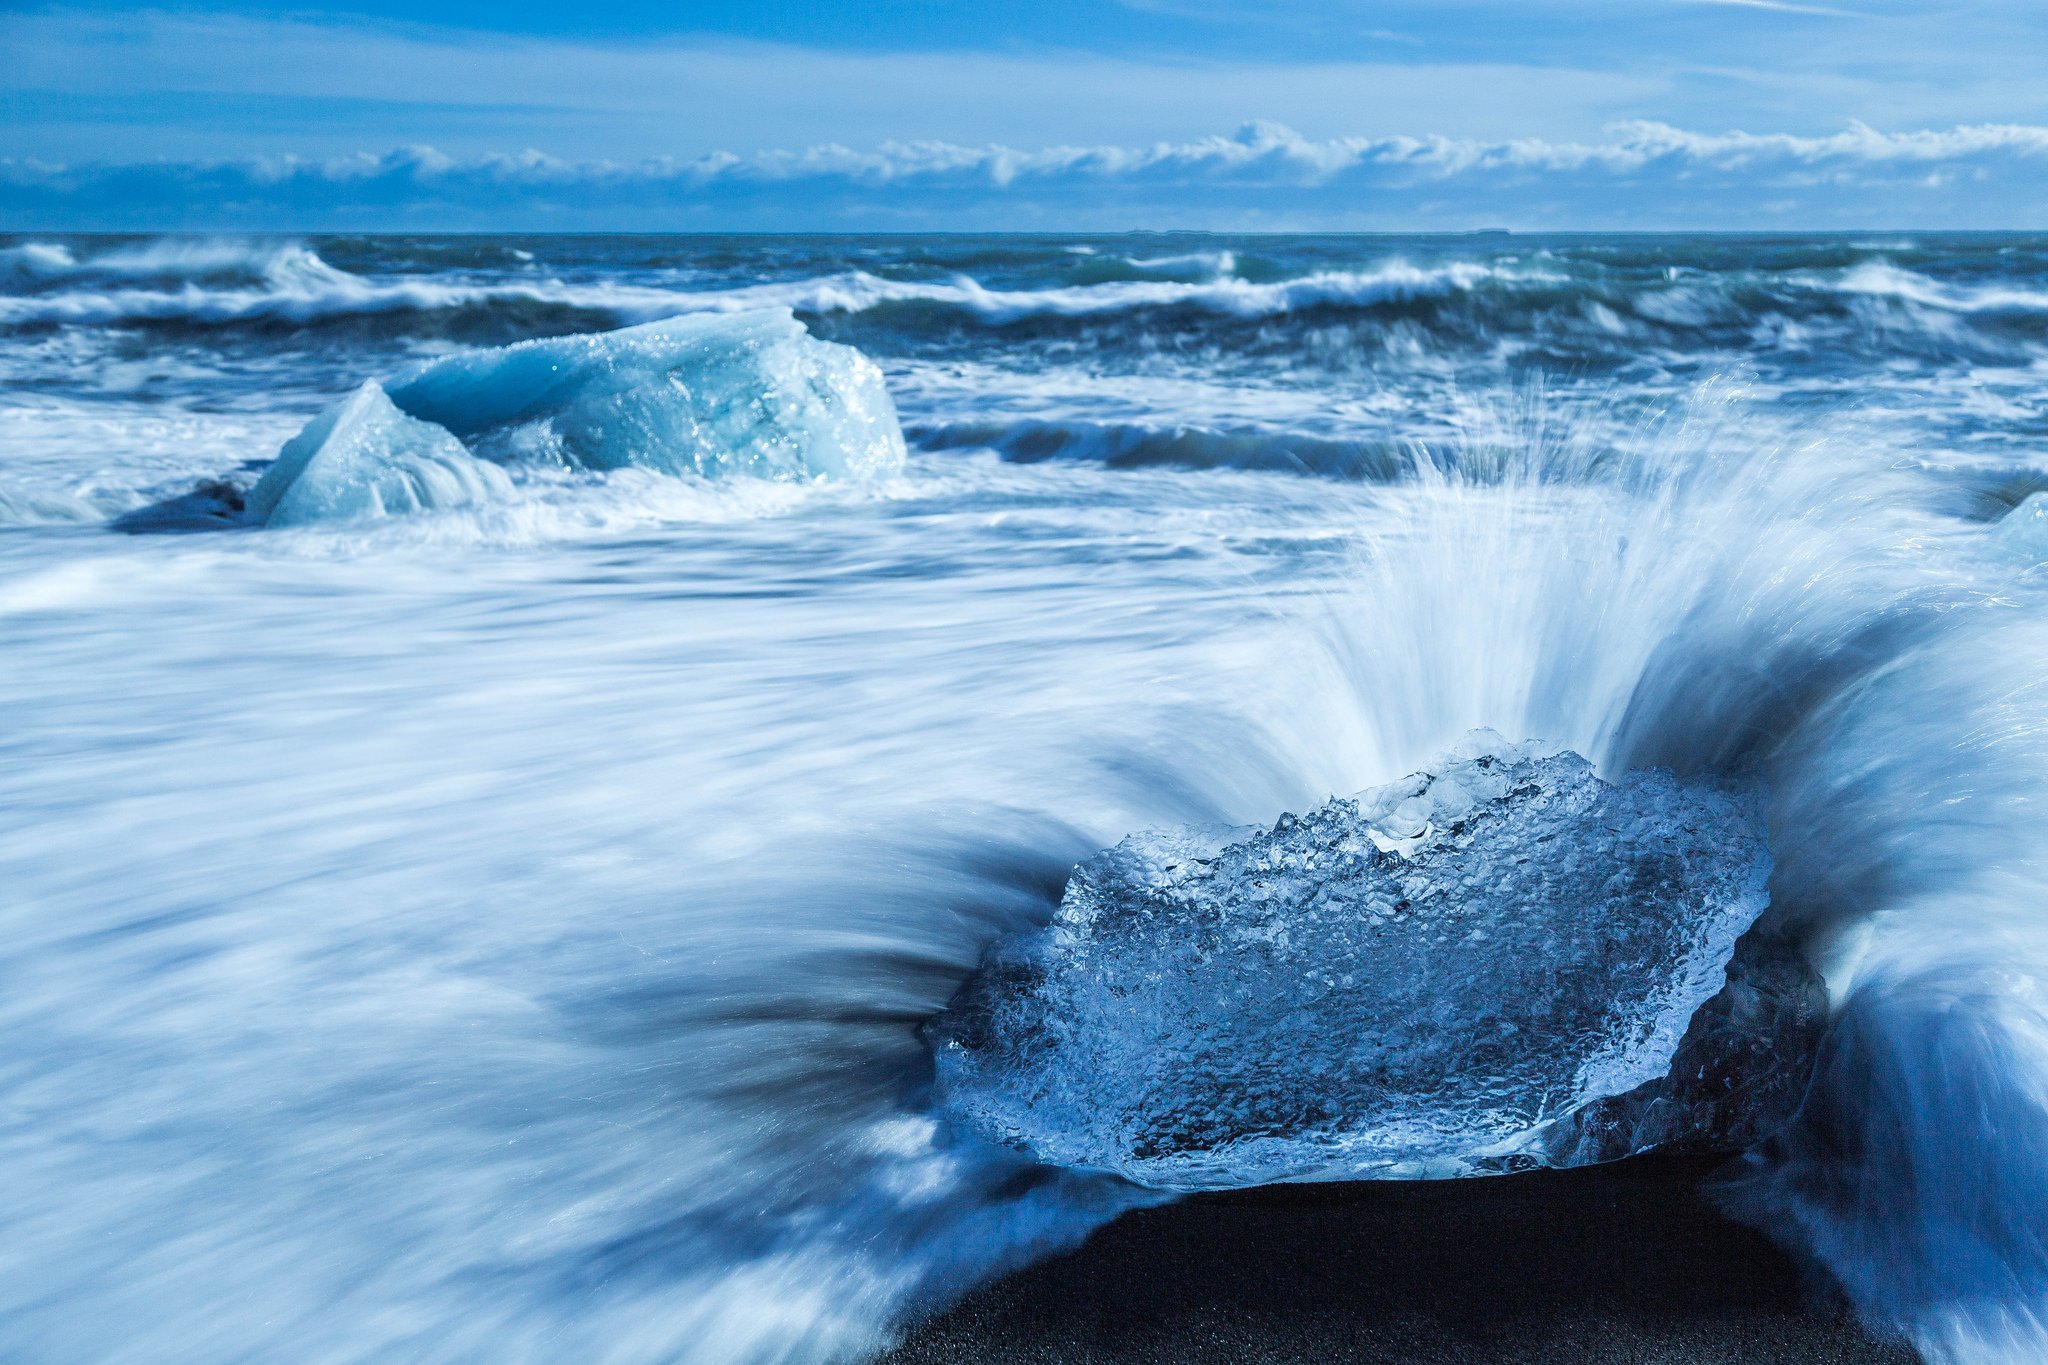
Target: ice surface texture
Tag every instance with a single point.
(2024, 530)
(733, 394)
(362, 459)
(1421, 981)
(738, 393)
(1738, 1077)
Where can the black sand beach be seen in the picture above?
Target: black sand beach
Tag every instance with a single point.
(1604, 1265)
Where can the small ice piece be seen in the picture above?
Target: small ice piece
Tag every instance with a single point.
(2024, 529)
(710, 395)
(1420, 981)
(362, 459)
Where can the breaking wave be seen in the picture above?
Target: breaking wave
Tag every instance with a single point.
(511, 924)
(231, 283)
(218, 283)
(1879, 280)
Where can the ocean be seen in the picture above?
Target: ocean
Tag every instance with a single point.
(506, 932)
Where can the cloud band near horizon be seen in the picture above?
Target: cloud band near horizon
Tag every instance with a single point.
(1648, 176)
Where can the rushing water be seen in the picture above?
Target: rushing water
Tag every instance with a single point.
(502, 934)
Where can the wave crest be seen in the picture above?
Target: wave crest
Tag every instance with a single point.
(224, 283)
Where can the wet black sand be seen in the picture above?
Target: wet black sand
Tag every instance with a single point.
(1622, 1263)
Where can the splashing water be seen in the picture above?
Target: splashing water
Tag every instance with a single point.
(503, 932)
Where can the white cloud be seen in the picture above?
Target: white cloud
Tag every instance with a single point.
(188, 85)
(1783, 7)
(1647, 175)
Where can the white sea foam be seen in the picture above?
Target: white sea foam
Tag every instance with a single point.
(1214, 263)
(293, 283)
(1879, 279)
(503, 930)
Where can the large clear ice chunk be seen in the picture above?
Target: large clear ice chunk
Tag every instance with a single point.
(1430, 979)
(362, 459)
(743, 393)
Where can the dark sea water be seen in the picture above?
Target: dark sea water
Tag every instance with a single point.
(502, 934)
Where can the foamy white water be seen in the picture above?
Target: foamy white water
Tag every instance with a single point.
(502, 933)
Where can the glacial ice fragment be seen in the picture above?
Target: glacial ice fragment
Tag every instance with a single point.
(1424, 980)
(363, 458)
(1738, 1077)
(742, 393)
(2024, 530)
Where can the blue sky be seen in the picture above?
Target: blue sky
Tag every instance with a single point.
(1144, 113)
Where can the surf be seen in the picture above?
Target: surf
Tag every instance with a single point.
(514, 921)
